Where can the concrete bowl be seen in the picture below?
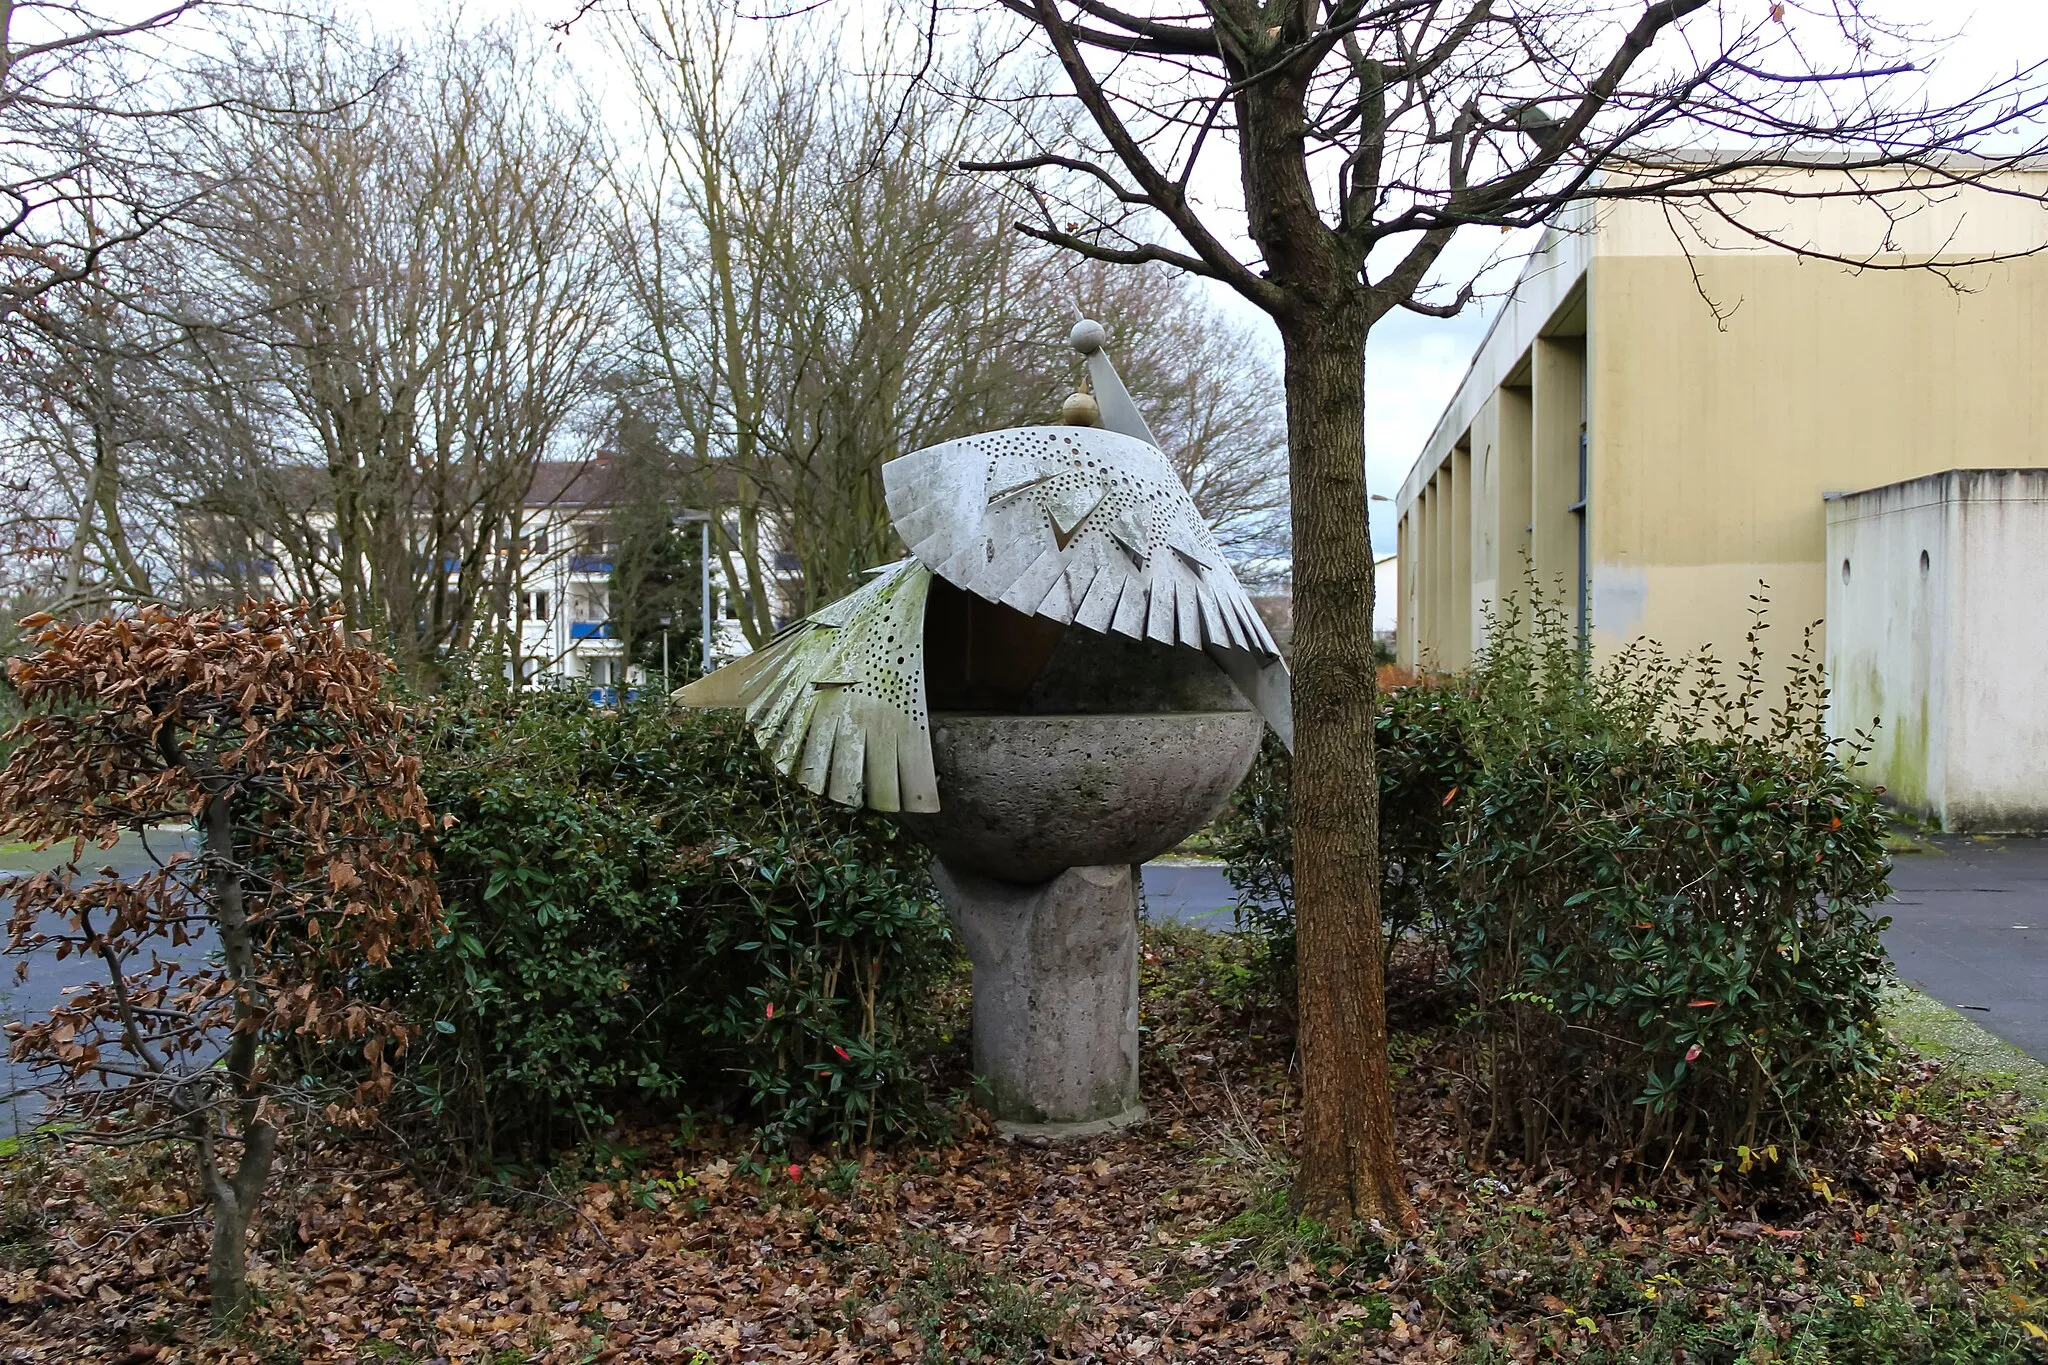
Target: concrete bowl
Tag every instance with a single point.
(1022, 797)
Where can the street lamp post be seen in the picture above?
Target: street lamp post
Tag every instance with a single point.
(703, 520)
(704, 585)
(666, 621)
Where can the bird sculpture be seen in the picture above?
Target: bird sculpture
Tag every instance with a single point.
(1078, 525)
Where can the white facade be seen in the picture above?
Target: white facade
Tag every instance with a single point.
(1937, 642)
(565, 597)
(1386, 596)
(558, 584)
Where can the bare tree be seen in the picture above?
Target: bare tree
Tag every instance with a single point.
(98, 429)
(86, 104)
(414, 295)
(815, 292)
(818, 290)
(97, 108)
(1365, 133)
(72, 429)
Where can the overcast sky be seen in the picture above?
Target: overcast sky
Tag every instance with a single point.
(1414, 363)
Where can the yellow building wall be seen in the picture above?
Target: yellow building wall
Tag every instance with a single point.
(1714, 440)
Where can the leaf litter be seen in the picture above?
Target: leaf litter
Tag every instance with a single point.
(1171, 1241)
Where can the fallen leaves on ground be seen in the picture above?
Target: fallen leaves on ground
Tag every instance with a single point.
(1168, 1242)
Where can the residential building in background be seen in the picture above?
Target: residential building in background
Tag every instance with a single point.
(567, 553)
(557, 589)
(1653, 425)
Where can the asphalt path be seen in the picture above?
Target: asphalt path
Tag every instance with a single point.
(1188, 893)
(48, 979)
(1970, 928)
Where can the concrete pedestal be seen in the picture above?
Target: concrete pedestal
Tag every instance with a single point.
(1055, 996)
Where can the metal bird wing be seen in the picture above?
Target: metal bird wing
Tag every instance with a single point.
(837, 700)
(1086, 527)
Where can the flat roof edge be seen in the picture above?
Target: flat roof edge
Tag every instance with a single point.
(1554, 269)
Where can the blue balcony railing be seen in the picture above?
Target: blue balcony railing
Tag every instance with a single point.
(591, 630)
(590, 563)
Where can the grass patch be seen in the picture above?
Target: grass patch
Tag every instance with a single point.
(1934, 1030)
(1924, 1248)
(1198, 847)
(1273, 1236)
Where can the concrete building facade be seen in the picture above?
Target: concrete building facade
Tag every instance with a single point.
(1937, 648)
(1673, 414)
(1653, 421)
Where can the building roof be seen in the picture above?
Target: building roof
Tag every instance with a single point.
(1549, 275)
(592, 482)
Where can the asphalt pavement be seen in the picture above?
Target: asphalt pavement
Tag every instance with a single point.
(1188, 892)
(1970, 928)
(48, 978)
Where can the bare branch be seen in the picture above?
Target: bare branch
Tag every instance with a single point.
(1161, 193)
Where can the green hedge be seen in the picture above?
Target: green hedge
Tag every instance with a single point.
(1650, 882)
(1420, 744)
(644, 918)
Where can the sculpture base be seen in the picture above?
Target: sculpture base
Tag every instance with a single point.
(1045, 1134)
(1055, 995)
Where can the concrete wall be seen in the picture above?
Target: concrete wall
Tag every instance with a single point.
(1714, 443)
(1728, 384)
(1938, 642)
(1386, 594)
(1889, 627)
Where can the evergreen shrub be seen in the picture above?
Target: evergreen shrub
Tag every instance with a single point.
(1420, 743)
(643, 918)
(1651, 882)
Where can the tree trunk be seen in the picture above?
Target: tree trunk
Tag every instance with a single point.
(1349, 1168)
(235, 1198)
(235, 1201)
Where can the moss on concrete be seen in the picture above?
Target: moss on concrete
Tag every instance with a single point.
(1934, 1030)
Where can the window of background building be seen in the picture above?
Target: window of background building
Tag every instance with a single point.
(535, 606)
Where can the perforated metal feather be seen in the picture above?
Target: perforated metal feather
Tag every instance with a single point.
(1078, 525)
(837, 700)
(1084, 526)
